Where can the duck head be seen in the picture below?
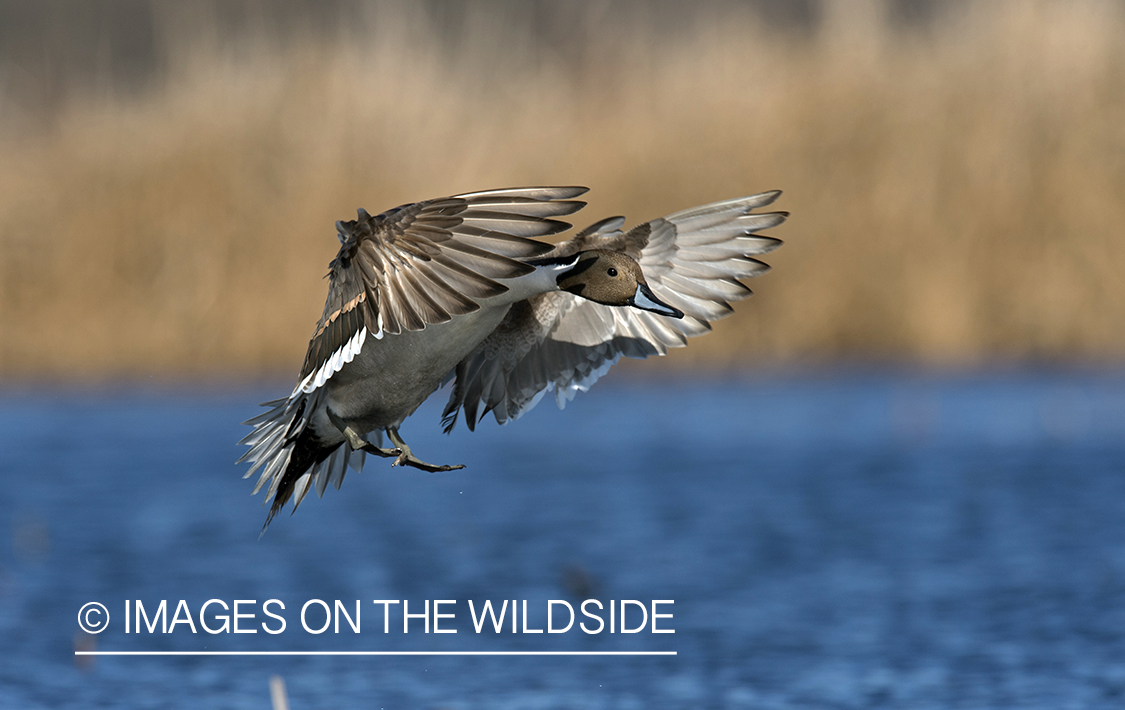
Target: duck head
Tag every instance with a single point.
(612, 279)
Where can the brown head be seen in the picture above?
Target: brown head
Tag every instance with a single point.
(612, 279)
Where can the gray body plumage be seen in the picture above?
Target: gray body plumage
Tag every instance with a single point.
(383, 385)
(457, 288)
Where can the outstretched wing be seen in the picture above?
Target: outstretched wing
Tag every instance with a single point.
(559, 342)
(425, 263)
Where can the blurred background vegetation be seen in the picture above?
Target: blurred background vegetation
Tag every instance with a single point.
(170, 172)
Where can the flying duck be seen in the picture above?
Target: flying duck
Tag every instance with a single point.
(459, 289)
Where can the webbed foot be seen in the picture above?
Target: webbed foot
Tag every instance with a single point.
(373, 449)
(407, 458)
(357, 442)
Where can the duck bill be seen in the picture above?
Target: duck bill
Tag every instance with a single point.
(644, 298)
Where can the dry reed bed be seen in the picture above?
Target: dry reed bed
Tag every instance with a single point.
(958, 190)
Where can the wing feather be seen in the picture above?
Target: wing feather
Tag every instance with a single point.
(559, 342)
(423, 263)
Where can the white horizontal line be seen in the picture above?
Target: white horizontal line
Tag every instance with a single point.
(374, 653)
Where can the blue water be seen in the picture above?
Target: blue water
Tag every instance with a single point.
(829, 541)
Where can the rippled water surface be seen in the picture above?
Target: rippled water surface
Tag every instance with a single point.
(829, 542)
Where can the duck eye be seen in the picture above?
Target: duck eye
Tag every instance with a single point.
(612, 271)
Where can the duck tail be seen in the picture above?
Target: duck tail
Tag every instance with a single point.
(304, 455)
(283, 446)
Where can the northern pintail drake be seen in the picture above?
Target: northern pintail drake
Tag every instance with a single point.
(459, 289)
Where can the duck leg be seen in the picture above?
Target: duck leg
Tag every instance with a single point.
(406, 458)
(357, 442)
